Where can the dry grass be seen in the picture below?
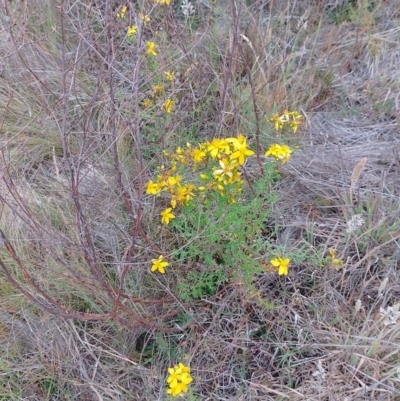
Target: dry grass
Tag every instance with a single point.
(81, 317)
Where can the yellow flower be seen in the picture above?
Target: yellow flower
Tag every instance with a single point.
(282, 264)
(295, 121)
(279, 152)
(168, 105)
(173, 377)
(121, 14)
(177, 389)
(216, 146)
(169, 75)
(166, 215)
(186, 379)
(185, 193)
(291, 118)
(285, 116)
(198, 155)
(158, 89)
(173, 180)
(144, 18)
(241, 150)
(224, 171)
(154, 188)
(180, 153)
(174, 199)
(147, 103)
(181, 368)
(335, 262)
(166, 2)
(240, 139)
(132, 30)
(151, 48)
(236, 177)
(159, 264)
(278, 121)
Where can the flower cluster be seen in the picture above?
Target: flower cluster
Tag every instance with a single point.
(213, 166)
(287, 119)
(132, 30)
(170, 75)
(122, 12)
(144, 18)
(354, 223)
(158, 89)
(187, 8)
(151, 48)
(279, 152)
(178, 379)
(157, 86)
(282, 265)
(335, 262)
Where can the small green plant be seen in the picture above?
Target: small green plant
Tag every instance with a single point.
(220, 224)
(197, 285)
(221, 240)
(355, 11)
(374, 222)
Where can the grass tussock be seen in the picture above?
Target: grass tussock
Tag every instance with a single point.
(199, 198)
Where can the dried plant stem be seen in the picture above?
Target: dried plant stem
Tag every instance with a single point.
(356, 175)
